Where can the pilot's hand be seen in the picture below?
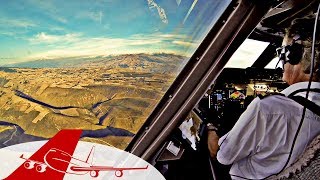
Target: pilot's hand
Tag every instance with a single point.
(213, 139)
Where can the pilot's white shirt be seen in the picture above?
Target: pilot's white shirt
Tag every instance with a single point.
(259, 143)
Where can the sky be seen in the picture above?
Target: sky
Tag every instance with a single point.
(49, 29)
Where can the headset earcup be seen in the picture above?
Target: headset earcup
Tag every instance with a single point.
(295, 53)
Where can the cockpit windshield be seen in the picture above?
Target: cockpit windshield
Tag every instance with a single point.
(247, 53)
(98, 65)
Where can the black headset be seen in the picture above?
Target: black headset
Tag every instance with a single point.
(291, 53)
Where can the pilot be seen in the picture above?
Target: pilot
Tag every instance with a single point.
(259, 144)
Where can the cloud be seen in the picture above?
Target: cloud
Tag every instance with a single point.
(47, 38)
(6, 58)
(50, 9)
(180, 40)
(160, 10)
(20, 23)
(162, 37)
(4, 33)
(15, 27)
(74, 45)
(59, 18)
(95, 16)
(56, 28)
(90, 47)
(77, 38)
(174, 36)
(185, 43)
(191, 8)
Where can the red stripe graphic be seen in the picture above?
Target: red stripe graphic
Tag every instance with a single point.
(35, 167)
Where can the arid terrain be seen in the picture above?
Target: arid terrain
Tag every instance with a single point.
(111, 96)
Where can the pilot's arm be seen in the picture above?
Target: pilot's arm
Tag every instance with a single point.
(213, 139)
(242, 140)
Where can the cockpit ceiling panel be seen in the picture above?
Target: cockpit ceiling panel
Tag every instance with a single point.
(281, 15)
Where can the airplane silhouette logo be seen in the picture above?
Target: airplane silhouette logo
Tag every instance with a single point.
(53, 162)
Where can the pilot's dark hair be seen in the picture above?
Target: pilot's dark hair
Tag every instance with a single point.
(304, 28)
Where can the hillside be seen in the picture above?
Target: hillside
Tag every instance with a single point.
(159, 63)
(88, 93)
